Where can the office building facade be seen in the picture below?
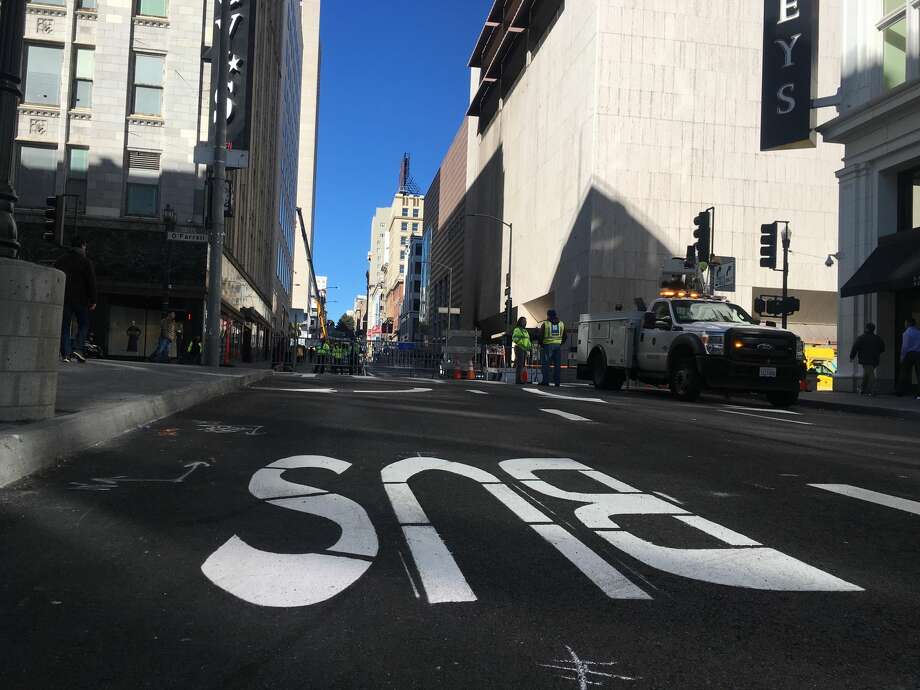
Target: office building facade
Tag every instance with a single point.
(600, 129)
(878, 123)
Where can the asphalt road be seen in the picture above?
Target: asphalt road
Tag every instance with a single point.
(424, 535)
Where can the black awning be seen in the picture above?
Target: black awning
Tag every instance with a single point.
(894, 265)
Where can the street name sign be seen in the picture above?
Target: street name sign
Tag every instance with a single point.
(790, 53)
(176, 236)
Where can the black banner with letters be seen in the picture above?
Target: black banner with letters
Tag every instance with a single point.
(239, 72)
(790, 73)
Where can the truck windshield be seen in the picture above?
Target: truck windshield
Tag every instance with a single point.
(688, 312)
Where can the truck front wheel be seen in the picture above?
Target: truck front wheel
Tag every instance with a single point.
(783, 398)
(685, 380)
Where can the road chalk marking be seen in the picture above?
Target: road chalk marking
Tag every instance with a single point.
(567, 415)
(584, 670)
(547, 394)
(904, 504)
(109, 483)
(768, 410)
(772, 419)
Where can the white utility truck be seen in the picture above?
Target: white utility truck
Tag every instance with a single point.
(692, 343)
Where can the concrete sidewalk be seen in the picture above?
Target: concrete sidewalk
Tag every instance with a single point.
(881, 405)
(102, 399)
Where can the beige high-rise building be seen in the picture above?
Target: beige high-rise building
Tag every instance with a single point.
(306, 177)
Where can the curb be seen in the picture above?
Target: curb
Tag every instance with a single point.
(861, 409)
(38, 446)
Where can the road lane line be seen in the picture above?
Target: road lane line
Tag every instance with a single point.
(713, 529)
(668, 498)
(547, 394)
(772, 419)
(475, 392)
(567, 415)
(293, 390)
(386, 392)
(768, 410)
(881, 499)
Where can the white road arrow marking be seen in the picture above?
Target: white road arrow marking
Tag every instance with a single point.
(108, 483)
(881, 499)
(567, 415)
(547, 394)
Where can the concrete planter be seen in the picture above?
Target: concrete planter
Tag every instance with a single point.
(31, 299)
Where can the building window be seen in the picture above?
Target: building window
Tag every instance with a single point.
(405, 226)
(56, 3)
(77, 167)
(83, 78)
(402, 270)
(151, 8)
(142, 199)
(43, 75)
(418, 250)
(405, 212)
(909, 200)
(415, 227)
(35, 175)
(148, 84)
(86, 4)
(404, 241)
(415, 213)
(894, 49)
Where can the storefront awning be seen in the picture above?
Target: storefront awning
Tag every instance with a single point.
(894, 265)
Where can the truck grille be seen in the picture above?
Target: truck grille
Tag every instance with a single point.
(762, 347)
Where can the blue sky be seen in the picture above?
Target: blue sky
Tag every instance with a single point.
(394, 79)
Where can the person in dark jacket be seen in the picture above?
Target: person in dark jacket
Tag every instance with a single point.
(79, 299)
(868, 348)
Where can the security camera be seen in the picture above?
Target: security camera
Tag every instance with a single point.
(829, 261)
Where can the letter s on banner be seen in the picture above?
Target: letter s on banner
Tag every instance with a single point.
(288, 580)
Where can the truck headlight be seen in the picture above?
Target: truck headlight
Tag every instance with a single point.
(714, 343)
(799, 350)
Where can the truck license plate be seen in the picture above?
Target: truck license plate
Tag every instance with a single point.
(768, 372)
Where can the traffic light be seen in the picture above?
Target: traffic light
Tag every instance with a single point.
(768, 234)
(703, 234)
(774, 305)
(54, 220)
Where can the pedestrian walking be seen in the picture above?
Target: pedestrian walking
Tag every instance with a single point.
(79, 299)
(552, 335)
(521, 339)
(867, 350)
(167, 337)
(910, 356)
(134, 334)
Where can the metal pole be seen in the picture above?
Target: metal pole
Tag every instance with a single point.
(508, 296)
(786, 242)
(12, 29)
(221, 43)
(712, 249)
(450, 302)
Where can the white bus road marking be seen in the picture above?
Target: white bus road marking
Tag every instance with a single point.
(566, 415)
(772, 419)
(881, 499)
(547, 394)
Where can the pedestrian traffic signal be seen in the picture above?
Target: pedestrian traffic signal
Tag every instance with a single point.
(703, 233)
(54, 220)
(775, 305)
(768, 234)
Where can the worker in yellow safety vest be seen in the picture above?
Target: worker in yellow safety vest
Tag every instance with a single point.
(322, 356)
(552, 335)
(521, 339)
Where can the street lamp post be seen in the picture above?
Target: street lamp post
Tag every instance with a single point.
(508, 303)
(169, 222)
(12, 29)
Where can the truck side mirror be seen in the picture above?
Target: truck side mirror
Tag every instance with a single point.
(648, 321)
(663, 324)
